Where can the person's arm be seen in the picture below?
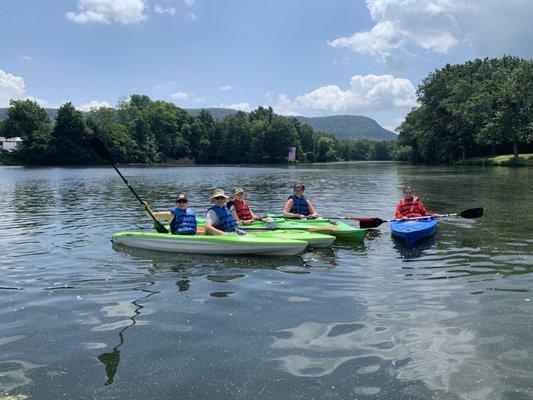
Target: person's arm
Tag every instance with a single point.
(422, 209)
(398, 214)
(233, 212)
(167, 215)
(209, 225)
(312, 212)
(287, 210)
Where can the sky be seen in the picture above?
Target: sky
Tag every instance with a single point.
(302, 57)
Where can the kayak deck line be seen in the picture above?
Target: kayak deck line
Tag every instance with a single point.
(207, 244)
(315, 239)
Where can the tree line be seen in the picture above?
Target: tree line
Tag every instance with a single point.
(479, 108)
(140, 130)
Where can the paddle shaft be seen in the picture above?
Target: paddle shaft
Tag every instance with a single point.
(375, 222)
(102, 151)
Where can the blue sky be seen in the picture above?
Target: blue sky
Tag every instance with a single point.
(305, 57)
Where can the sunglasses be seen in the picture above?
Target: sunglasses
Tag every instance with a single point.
(181, 201)
(220, 198)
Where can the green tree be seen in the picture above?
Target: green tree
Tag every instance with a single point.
(29, 121)
(326, 149)
(104, 123)
(70, 137)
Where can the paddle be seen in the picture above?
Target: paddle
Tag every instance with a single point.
(102, 151)
(375, 222)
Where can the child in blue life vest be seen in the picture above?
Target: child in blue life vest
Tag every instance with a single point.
(182, 218)
(218, 219)
(298, 206)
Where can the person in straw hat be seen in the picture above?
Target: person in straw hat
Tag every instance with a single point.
(218, 219)
(240, 209)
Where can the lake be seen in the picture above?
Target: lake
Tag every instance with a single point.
(450, 319)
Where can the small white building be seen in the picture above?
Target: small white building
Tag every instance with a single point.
(9, 144)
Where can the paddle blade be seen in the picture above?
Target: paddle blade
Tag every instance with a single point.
(370, 223)
(100, 149)
(159, 227)
(472, 213)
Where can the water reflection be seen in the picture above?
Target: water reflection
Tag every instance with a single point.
(417, 251)
(111, 360)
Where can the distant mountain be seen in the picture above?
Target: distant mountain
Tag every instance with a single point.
(342, 126)
(349, 127)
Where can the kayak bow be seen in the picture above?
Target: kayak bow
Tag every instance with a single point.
(413, 231)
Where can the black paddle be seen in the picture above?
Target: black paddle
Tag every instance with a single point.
(102, 151)
(375, 222)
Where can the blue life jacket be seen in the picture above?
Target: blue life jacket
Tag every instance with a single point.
(226, 222)
(299, 205)
(184, 222)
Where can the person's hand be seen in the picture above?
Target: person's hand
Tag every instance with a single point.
(404, 218)
(312, 216)
(145, 205)
(223, 233)
(301, 216)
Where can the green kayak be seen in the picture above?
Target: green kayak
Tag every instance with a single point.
(272, 243)
(340, 230)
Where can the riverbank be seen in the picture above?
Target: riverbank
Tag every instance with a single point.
(506, 160)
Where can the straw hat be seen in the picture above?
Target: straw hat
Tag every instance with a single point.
(239, 190)
(218, 193)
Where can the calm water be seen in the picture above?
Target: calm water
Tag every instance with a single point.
(452, 319)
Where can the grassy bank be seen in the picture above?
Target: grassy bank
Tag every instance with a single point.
(507, 160)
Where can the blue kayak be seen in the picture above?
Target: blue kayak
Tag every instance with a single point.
(413, 231)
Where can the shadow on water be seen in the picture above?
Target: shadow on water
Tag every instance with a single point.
(417, 251)
(111, 360)
(180, 261)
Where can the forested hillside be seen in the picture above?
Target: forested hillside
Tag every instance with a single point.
(140, 130)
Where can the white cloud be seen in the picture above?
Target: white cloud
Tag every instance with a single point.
(242, 106)
(108, 11)
(93, 104)
(187, 97)
(226, 88)
(441, 25)
(26, 58)
(181, 96)
(190, 16)
(379, 41)
(284, 106)
(189, 3)
(162, 10)
(365, 93)
(11, 87)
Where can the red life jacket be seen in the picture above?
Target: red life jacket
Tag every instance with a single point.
(410, 209)
(242, 209)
